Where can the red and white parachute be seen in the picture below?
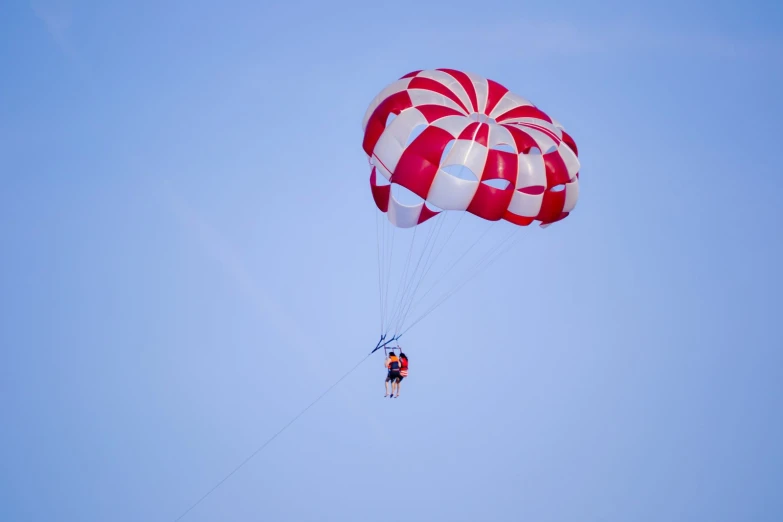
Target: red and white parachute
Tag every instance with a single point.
(446, 140)
(476, 124)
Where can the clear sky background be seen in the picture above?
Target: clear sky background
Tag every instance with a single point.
(188, 258)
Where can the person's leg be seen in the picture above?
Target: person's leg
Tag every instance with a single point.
(386, 387)
(399, 382)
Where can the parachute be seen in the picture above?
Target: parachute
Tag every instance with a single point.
(445, 142)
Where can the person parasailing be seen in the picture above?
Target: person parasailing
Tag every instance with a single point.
(403, 370)
(392, 364)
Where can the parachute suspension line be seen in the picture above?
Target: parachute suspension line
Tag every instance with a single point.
(443, 246)
(455, 290)
(383, 266)
(410, 277)
(388, 268)
(478, 267)
(455, 263)
(408, 296)
(408, 283)
(401, 283)
(388, 235)
(411, 304)
(378, 226)
(273, 437)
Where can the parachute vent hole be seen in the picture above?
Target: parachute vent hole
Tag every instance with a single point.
(501, 184)
(449, 146)
(405, 196)
(380, 179)
(415, 133)
(461, 172)
(432, 207)
(505, 147)
(390, 118)
(557, 188)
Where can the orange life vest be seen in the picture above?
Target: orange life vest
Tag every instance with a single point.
(394, 363)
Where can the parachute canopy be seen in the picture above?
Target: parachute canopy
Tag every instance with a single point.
(462, 142)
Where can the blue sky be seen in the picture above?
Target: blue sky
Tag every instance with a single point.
(189, 259)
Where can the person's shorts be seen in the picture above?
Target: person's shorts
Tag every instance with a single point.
(391, 376)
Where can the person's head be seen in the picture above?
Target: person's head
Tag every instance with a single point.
(403, 355)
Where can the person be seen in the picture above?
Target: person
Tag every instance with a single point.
(392, 364)
(403, 370)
